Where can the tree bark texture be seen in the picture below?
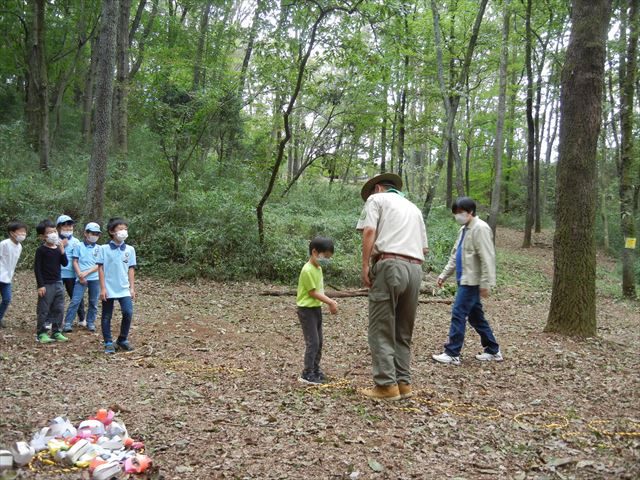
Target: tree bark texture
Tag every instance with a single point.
(87, 97)
(573, 299)
(198, 74)
(37, 105)
(625, 171)
(121, 88)
(531, 200)
(104, 93)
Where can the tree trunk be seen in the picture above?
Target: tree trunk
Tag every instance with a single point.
(287, 128)
(402, 116)
(120, 116)
(450, 106)
(510, 140)
(87, 97)
(531, 200)
(502, 101)
(37, 105)
(573, 299)
(602, 175)
(625, 171)
(202, 38)
(104, 93)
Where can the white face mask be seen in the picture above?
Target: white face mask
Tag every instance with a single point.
(53, 238)
(122, 235)
(20, 238)
(462, 218)
(66, 233)
(92, 238)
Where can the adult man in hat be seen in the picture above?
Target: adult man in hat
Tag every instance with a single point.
(394, 242)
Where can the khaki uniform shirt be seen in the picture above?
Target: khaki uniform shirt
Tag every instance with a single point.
(478, 256)
(398, 223)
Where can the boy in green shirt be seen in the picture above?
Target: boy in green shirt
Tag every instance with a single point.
(309, 300)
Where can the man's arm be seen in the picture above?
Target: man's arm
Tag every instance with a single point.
(368, 240)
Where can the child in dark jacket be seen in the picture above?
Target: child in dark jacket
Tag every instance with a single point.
(50, 257)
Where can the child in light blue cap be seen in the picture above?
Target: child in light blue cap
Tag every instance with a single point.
(84, 257)
(64, 225)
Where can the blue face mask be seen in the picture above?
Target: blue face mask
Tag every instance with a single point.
(324, 262)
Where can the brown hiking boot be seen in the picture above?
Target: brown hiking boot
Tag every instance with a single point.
(405, 390)
(379, 392)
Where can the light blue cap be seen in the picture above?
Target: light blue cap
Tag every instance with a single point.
(92, 227)
(64, 219)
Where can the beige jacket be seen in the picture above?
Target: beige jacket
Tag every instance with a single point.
(478, 256)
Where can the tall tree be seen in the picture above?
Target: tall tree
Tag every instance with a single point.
(305, 51)
(120, 117)
(573, 299)
(37, 105)
(98, 162)
(628, 73)
(450, 104)
(502, 102)
(531, 200)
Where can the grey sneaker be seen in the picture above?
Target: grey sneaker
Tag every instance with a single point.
(446, 358)
(310, 379)
(490, 357)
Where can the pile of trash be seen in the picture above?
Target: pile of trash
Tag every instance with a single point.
(100, 443)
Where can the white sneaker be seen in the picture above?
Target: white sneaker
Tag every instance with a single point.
(446, 358)
(490, 357)
(82, 323)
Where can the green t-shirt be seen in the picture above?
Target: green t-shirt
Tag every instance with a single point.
(310, 279)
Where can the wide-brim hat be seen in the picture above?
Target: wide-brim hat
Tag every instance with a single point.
(388, 177)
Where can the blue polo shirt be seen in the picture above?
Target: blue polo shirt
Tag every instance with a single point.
(116, 261)
(68, 271)
(87, 254)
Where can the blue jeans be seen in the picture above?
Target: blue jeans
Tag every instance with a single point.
(126, 306)
(5, 292)
(467, 306)
(76, 301)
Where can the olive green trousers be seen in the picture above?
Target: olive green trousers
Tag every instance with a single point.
(393, 301)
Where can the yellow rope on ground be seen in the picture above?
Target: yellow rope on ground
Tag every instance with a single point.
(459, 409)
(564, 421)
(44, 457)
(611, 433)
(196, 370)
(444, 405)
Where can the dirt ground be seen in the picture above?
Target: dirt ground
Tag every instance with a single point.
(212, 388)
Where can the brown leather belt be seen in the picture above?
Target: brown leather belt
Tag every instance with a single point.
(396, 256)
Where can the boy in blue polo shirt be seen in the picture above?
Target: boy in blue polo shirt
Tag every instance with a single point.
(64, 225)
(116, 270)
(84, 263)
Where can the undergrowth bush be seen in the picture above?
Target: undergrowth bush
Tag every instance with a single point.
(210, 231)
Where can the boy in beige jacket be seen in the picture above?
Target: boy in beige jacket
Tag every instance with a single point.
(473, 258)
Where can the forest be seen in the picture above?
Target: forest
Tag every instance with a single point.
(230, 132)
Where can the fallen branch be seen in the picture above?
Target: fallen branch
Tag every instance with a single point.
(362, 292)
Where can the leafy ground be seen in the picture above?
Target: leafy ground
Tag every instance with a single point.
(212, 388)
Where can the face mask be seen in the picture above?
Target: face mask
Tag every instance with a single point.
(122, 235)
(462, 218)
(324, 262)
(20, 238)
(92, 238)
(53, 238)
(66, 234)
